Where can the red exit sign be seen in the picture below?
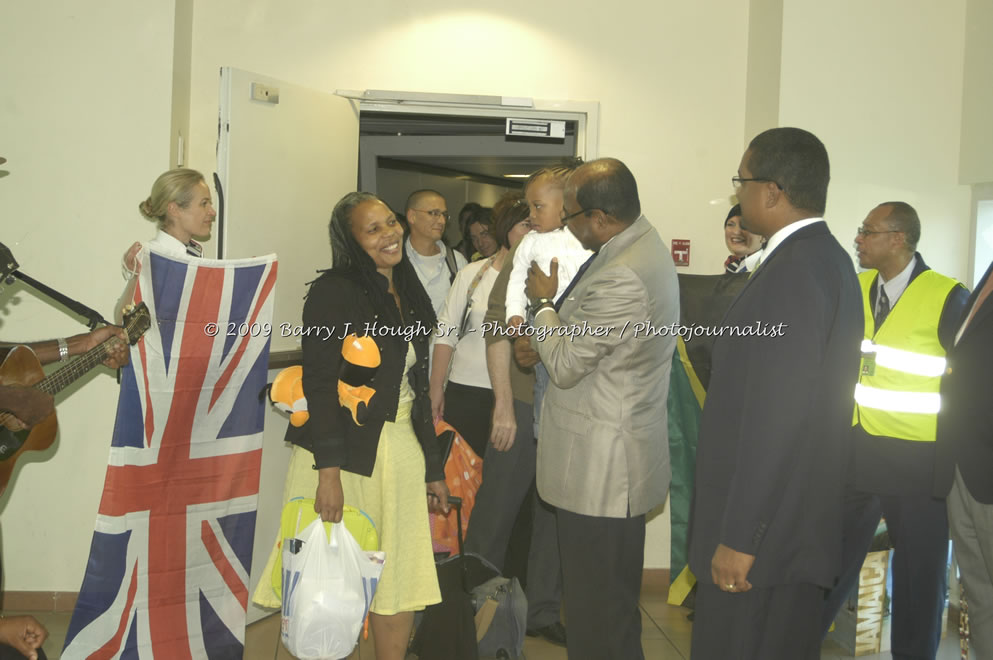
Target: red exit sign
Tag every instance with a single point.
(681, 252)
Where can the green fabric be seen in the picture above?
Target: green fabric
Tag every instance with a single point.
(703, 301)
(684, 423)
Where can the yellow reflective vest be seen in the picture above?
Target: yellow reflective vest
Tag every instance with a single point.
(902, 362)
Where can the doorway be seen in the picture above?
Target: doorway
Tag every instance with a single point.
(466, 158)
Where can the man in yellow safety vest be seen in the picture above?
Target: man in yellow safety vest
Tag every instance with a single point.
(910, 320)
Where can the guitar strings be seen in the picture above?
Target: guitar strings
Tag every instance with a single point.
(54, 383)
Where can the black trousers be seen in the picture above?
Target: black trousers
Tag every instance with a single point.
(602, 561)
(918, 527)
(507, 479)
(772, 623)
(470, 410)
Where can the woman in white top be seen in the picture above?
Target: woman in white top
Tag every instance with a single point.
(459, 357)
(181, 206)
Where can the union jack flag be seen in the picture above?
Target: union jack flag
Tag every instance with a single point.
(171, 554)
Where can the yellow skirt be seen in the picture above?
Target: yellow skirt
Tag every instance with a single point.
(395, 498)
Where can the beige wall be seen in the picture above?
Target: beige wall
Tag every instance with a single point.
(90, 99)
(182, 52)
(85, 111)
(670, 96)
(977, 94)
(881, 84)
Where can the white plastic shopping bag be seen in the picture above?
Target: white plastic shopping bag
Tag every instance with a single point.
(327, 588)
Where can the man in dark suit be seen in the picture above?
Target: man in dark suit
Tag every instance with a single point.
(911, 316)
(765, 526)
(964, 461)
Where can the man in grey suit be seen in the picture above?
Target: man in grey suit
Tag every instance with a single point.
(603, 453)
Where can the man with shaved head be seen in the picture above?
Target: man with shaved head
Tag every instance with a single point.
(434, 262)
(911, 315)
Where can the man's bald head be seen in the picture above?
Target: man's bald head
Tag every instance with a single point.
(414, 201)
(902, 217)
(607, 184)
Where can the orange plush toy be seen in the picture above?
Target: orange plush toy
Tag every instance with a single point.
(286, 394)
(361, 362)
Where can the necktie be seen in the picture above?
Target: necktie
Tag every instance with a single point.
(884, 307)
(980, 299)
(575, 280)
(194, 249)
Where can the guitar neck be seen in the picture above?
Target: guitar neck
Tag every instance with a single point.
(56, 382)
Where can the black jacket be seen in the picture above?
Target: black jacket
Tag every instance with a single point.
(335, 299)
(965, 422)
(775, 431)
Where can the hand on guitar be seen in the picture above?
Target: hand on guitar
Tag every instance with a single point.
(28, 405)
(117, 351)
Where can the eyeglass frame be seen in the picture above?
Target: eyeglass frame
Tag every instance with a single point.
(737, 181)
(863, 232)
(436, 213)
(566, 218)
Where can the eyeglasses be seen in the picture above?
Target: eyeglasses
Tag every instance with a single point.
(737, 181)
(862, 231)
(566, 218)
(435, 213)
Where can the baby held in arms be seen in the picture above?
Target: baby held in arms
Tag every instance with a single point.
(549, 239)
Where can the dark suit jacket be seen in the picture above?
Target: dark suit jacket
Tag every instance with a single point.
(892, 466)
(965, 422)
(776, 426)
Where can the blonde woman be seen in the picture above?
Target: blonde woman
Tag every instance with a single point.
(181, 206)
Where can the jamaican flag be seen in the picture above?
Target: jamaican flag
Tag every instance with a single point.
(703, 301)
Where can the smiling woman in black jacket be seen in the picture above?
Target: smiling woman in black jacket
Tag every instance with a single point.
(370, 437)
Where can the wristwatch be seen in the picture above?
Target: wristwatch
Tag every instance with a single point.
(541, 303)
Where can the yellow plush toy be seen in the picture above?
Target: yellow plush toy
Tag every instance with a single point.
(286, 394)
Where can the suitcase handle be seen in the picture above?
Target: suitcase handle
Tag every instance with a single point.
(456, 503)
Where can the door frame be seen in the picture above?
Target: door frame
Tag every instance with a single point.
(586, 114)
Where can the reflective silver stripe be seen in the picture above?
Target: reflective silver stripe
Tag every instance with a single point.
(908, 402)
(897, 359)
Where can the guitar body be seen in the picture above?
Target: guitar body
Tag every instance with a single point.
(22, 368)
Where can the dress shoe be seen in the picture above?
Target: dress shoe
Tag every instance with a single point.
(554, 633)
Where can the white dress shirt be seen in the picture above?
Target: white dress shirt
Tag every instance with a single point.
(781, 236)
(895, 287)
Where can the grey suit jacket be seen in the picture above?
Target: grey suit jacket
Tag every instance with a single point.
(603, 447)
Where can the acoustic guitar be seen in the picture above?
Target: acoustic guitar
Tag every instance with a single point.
(21, 367)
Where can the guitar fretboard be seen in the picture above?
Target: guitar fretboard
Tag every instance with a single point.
(56, 382)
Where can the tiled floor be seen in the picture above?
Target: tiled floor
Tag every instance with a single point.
(665, 635)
